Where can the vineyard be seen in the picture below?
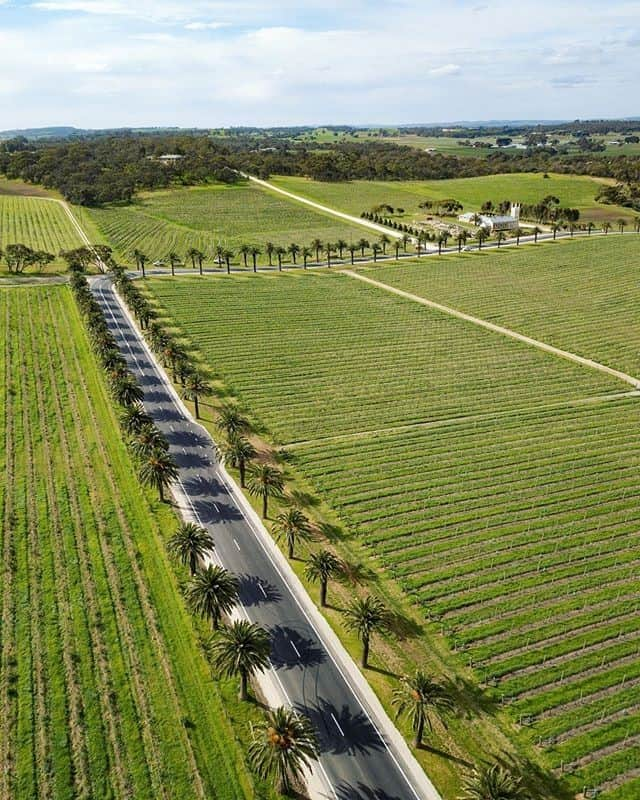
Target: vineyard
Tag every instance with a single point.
(354, 197)
(204, 218)
(40, 224)
(95, 641)
(320, 355)
(496, 484)
(560, 293)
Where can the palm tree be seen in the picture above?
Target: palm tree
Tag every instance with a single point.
(362, 246)
(353, 248)
(590, 227)
(190, 544)
(126, 390)
(317, 245)
(606, 227)
(492, 782)
(329, 249)
(282, 747)
(384, 241)
(375, 248)
(192, 254)
(196, 388)
(245, 250)
(320, 567)
(396, 247)
(405, 241)
(212, 592)
(481, 235)
(341, 246)
(364, 617)
(269, 249)
(461, 238)
(174, 261)
(293, 251)
(231, 422)
(622, 224)
(555, 228)
(418, 697)
(141, 260)
(147, 440)
(501, 236)
(228, 257)
(255, 252)
(280, 252)
(265, 481)
(134, 418)
(292, 526)
(238, 451)
(636, 224)
(307, 252)
(536, 232)
(158, 470)
(241, 649)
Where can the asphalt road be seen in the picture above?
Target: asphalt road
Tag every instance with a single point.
(358, 761)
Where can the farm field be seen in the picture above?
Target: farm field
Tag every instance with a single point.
(487, 479)
(40, 224)
(354, 197)
(519, 536)
(179, 219)
(321, 355)
(103, 690)
(561, 293)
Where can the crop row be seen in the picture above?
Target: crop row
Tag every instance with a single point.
(95, 704)
(580, 296)
(322, 355)
(39, 224)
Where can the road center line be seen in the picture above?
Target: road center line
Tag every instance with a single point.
(333, 717)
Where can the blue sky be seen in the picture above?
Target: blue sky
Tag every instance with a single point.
(106, 63)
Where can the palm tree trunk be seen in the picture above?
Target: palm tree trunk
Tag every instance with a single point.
(161, 492)
(243, 694)
(290, 548)
(192, 564)
(417, 741)
(365, 653)
(197, 409)
(265, 500)
(323, 593)
(241, 468)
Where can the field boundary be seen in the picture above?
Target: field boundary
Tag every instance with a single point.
(520, 337)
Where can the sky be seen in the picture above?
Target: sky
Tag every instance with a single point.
(214, 63)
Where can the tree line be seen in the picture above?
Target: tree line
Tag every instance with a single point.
(97, 169)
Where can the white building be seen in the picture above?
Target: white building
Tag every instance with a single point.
(494, 222)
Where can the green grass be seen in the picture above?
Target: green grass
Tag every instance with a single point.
(581, 296)
(40, 224)
(356, 196)
(179, 219)
(504, 511)
(103, 690)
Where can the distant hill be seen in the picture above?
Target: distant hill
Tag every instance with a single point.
(66, 132)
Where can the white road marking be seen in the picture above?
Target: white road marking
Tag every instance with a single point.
(337, 723)
(236, 544)
(184, 450)
(262, 589)
(215, 505)
(296, 649)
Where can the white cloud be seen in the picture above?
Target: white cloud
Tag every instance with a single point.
(446, 69)
(206, 26)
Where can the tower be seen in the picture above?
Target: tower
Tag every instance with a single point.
(515, 211)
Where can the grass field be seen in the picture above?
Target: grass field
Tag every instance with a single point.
(461, 462)
(179, 219)
(581, 296)
(103, 690)
(38, 223)
(357, 196)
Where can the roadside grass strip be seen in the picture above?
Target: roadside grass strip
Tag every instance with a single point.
(39, 224)
(581, 296)
(103, 691)
(179, 219)
(318, 355)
